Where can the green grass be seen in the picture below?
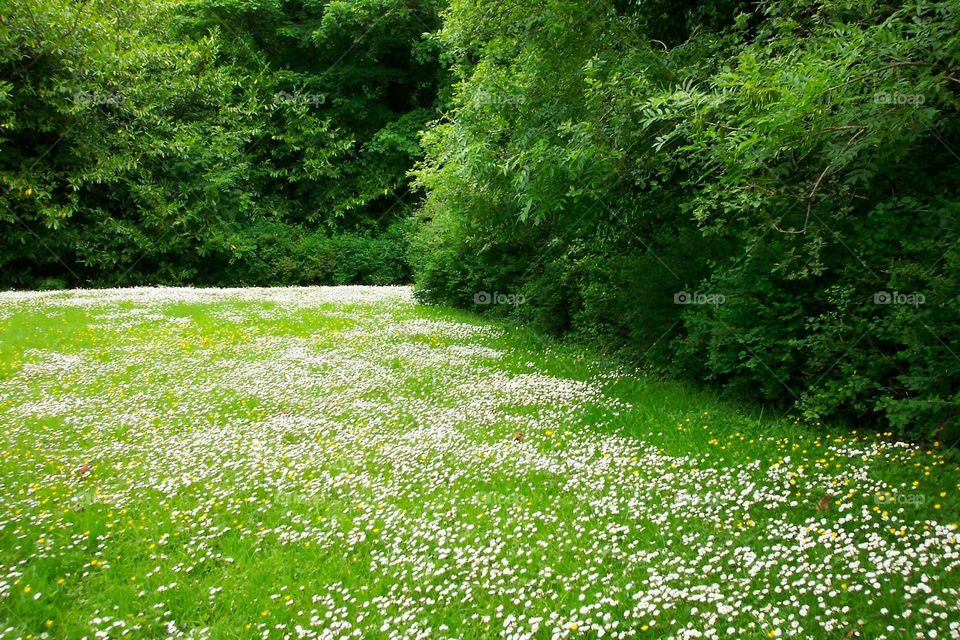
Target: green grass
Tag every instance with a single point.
(345, 461)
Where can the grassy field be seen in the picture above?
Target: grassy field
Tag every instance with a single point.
(344, 463)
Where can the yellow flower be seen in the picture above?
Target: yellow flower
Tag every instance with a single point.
(26, 589)
(574, 626)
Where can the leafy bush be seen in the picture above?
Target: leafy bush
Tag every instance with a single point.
(156, 142)
(791, 165)
(272, 253)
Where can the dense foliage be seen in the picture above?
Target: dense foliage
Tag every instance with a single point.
(761, 196)
(211, 141)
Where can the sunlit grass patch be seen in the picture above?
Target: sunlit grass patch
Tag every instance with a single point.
(345, 463)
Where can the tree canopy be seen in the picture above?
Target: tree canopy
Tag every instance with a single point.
(211, 141)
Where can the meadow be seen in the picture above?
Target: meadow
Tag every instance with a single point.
(346, 463)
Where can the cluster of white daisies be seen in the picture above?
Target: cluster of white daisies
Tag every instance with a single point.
(421, 478)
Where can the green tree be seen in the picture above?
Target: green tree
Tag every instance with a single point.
(211, 142)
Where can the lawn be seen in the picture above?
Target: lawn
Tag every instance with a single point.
(346, 463)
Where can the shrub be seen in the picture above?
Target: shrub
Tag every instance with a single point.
(796, 158)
